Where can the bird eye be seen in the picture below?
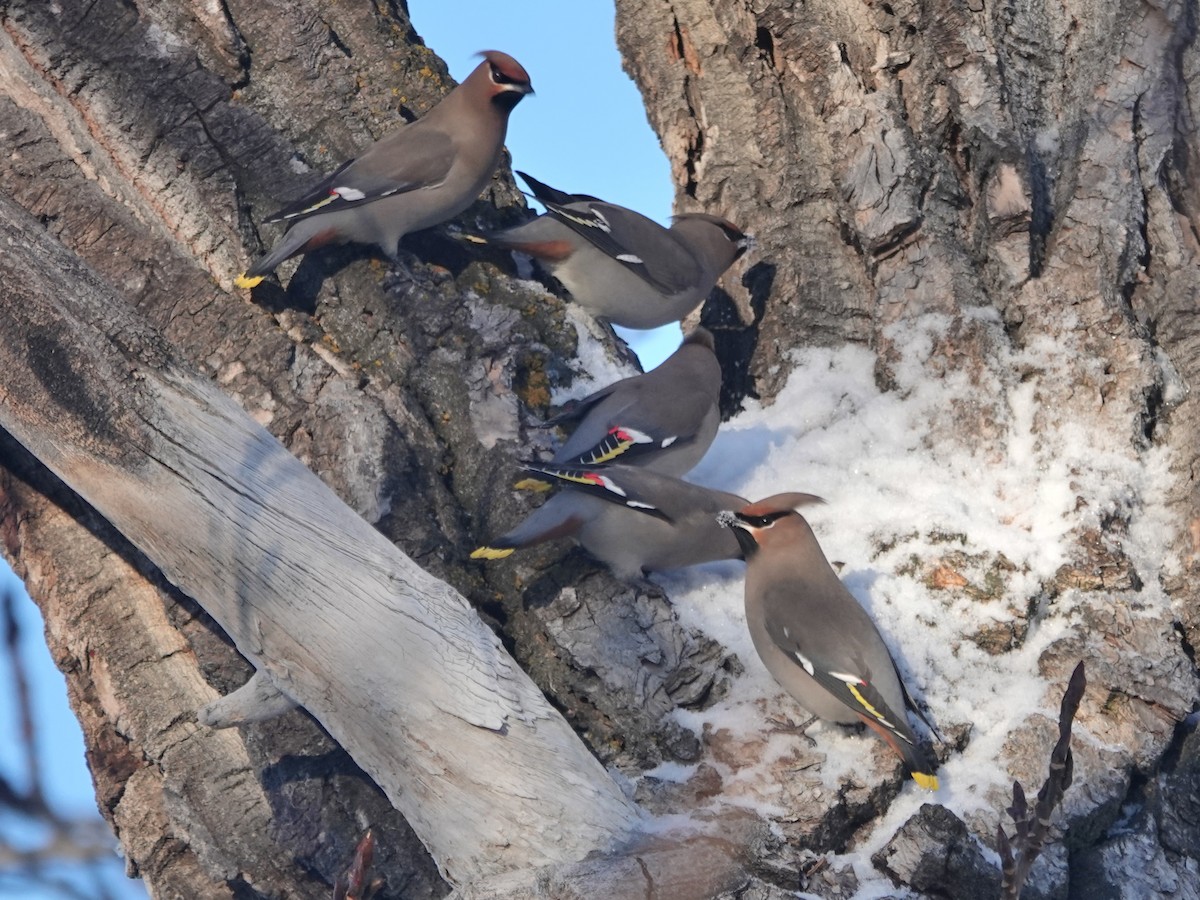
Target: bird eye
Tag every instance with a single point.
(763, 521)
(500, 78)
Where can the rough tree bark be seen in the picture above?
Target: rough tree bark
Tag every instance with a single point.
(894, 160)
(1000, 178)
(393, 662)
(143, 139)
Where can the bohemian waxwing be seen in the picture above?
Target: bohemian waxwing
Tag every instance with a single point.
(620, 265)
(420, 175)
(634, 520)
(814, 637)
(664, 420)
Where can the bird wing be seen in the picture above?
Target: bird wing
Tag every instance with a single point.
(619, 429)
(603, 482)
(577, 410)
(911, 704)
(408, 159)
(547, 195)
(640, 244)
(807, 640)
(620, 443)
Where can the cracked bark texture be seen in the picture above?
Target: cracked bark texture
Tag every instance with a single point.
(1024, 171)
(150, 139)
(1007, 180)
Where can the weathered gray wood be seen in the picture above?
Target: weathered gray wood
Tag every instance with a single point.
(142, 134)
(392, 661)
(693, 867)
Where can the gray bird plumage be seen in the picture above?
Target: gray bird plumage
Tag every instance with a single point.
(620, 265)
(632, 519)
(813, 636)
(417, 176)
(664, 420)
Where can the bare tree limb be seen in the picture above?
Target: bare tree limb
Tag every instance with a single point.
(394, 663)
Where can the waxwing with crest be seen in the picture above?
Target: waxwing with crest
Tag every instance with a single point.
(664, 420)
(632, 519)
(620, 265)
(419, 175)
(813, 635)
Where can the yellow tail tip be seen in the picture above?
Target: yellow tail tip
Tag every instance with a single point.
(471, 238)
(925, 780)
(491, 552)
(531, 484)
(248, 281)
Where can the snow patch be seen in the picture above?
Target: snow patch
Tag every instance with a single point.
(902, 495)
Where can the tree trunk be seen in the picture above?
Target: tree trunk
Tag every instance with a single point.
(148, 140)
(393, 662)
(1002, 197)
(951, 186)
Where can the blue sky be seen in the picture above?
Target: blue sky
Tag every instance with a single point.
(66, 782)
(584, 131)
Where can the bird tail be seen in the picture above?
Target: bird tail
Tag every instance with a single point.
(254, 275)
(532, 484)
(547, 251)
(247, 281)
(468, 237)
(487, 552)
(302, 237)
(553, 519)
(921, 765)
(926, 780)
(917, 760)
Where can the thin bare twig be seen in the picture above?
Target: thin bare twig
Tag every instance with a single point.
(1019, 851)
(81, 845)
(32, 799)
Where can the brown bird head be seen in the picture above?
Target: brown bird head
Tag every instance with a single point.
(753, 525)
(502, 78)
(717, 243)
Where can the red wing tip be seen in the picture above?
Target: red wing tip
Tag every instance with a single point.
(551, 251)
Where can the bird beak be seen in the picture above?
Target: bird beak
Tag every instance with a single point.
(741, 531)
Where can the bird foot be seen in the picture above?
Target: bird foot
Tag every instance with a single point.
(643, 584)
(783, 724)
(401, 276)
(405, 275)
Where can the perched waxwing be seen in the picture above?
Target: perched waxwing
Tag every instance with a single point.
(634, 520)
(664, 420)
(814, 637)
(418, 176)
(620, 265)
